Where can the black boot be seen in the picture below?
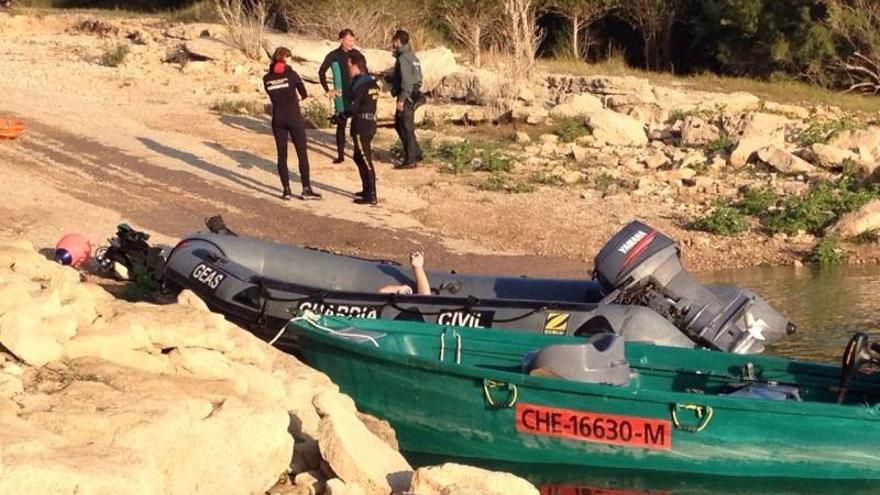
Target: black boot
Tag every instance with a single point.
(339, 159)
(367, 199)
(286, 194)
(308, 194)
(359, 194)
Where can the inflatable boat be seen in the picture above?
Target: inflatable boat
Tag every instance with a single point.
(639, 290)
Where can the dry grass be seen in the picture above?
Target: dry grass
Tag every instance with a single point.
(789, 92)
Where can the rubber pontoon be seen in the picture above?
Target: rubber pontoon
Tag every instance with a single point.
(639, 290)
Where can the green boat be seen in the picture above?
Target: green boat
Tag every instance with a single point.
(494, 395)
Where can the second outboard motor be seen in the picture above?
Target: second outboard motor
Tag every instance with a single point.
(642, 266)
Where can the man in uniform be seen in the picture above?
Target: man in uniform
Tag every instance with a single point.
(364, 96)
(337, 62)
(406, 83)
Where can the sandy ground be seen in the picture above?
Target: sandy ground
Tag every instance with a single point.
(138, 143)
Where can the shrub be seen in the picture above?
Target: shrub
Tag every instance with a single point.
(492, 160)
(239, 107)
(826, 252)
(723, 220)
(821, 205)
(500, 182)
(317, 114)
(757, 201)
(115, 56)
(571, 129)
(542, 177)
(723, 143)
(455, 157)
(819, 131)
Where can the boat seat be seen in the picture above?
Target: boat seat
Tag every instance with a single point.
(600, 359)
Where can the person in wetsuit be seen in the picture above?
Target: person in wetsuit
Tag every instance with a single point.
(337, 63)
(362, 110)
(285, 89)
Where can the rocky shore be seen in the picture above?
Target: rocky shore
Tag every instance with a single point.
(104, 396)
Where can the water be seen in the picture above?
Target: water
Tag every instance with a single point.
(828, 305)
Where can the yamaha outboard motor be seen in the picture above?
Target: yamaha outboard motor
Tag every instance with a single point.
(642, 266)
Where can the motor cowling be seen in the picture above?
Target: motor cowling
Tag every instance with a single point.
(641, 266)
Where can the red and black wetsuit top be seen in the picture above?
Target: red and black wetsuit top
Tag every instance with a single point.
(282, 85)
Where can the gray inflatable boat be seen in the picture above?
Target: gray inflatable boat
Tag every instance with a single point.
(639, 290)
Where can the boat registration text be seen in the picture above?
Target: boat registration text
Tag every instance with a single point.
(628, 431)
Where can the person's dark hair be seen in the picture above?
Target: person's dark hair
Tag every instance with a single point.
(401, 36)
(360, 61)
(281, 53)
(346, 32)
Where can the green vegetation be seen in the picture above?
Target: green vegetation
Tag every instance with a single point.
(723, 220)
(115, 56)
(500, 182)
(542, 177)
(605, 182)
(819, 131)
(819, 206)
(869, 237)
(457, 157)
(757, 201)
(143, 286)
(826, 252)
(239, 107)
(723, 143)
(569, 130)
(317, 114)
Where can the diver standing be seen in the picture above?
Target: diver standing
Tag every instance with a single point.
(362, 110)
(285, 89)
(337, 63)
(406, 83)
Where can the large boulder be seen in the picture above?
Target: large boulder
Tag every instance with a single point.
(436, 63)
(308, 54)
(863, 142)
(354, 453)
(730, 103)
(119, 397)
(617, 129)
(471, 86)
(453, 479)
(865, 219)
(826, 156)
(696, 132)
(757, 132)
(785, 162)
(210, 49)
(579, 105)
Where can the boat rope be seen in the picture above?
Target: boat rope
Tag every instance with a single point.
(705, 414)
(312, 319)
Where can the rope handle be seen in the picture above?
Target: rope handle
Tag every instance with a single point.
(704, 413)
(512, 393)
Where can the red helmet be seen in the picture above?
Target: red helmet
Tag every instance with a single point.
(73, 249)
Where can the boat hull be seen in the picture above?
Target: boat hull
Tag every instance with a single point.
(442, 408)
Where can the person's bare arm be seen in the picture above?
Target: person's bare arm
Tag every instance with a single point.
(423, 287)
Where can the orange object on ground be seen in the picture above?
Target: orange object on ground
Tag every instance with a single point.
(10, 128)
(73, 249)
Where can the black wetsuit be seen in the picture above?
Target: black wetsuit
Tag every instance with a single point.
(364, 96)
(337, 60)
(288, 121)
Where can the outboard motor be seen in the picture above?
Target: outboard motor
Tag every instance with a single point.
(642, 266)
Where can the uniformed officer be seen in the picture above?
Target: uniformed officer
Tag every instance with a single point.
(406, 83)
(362, 110)
(282, 84)
(337, 63)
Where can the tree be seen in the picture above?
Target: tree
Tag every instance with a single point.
(522, 34)
(654, 19)
(857, 24)
(470, 23)
(580, 14)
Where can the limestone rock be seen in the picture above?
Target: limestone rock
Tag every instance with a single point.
(697, 132)
(310, 482)
(791, 111)
(336, 486)
(865, 219)
(785, 162)
(656, 160)
(436, 63)
(864, 142)
(731, 103)
(209, 49)
(192, 31)
(452, 478)
(579, 105)
(381, 428)
(530, 115)
(617, 129)
(471, 86)
(354, 453)
(523, 138)
(759, 131)
(826, 156)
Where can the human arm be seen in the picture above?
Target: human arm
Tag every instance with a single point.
(298, 84)
(407, 80)
(417, 260)
(322, 72)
